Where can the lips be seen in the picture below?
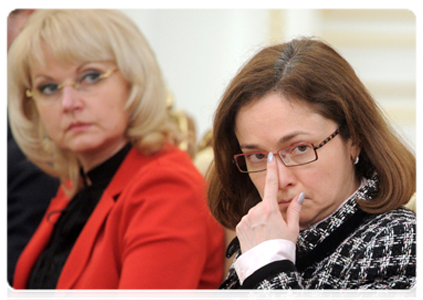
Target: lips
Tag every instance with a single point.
(78, 126)
(282, 201)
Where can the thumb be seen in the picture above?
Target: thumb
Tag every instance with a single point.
(294, 210)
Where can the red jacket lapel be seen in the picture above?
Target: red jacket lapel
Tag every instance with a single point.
(82, 250)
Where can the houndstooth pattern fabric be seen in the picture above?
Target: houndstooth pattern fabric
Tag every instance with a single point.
(379, 254)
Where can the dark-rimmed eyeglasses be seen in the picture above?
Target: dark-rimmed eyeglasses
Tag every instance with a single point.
(299, 155)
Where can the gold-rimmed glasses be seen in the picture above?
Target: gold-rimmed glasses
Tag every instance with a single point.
(87, 83)
(298, 155)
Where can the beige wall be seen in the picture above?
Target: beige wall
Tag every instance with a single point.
(381, 46)
(200, 50)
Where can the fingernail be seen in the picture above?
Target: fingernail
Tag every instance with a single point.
(301, 198)
(270, 157)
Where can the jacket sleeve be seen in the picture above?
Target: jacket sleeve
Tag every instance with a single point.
(168, 239)
(382, 255)
(276, 275)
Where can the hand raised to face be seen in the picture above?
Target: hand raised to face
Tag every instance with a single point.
(264, 221)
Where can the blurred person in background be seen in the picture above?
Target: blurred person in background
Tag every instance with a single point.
(29, 190)
(87, 105)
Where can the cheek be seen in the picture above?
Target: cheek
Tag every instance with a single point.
(322, 188)
(50, 120)
(118, 107)
(121, 117)
(318, 182)
(259, 181)
(109, 112)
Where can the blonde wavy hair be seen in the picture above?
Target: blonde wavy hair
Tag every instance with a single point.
(78, 36)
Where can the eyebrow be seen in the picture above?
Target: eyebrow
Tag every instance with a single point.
(281, 141)
(49, 77)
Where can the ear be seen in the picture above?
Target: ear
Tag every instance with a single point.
(355, 150)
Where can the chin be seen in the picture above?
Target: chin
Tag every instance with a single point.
(83, 148)
(304, 226)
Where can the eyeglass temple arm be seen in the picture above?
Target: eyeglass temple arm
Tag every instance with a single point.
(328, 139)
(29, 93)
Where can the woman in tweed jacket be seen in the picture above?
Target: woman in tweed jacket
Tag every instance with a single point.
(311, 176)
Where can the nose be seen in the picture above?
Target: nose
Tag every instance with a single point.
(70, 98)
(286, 174)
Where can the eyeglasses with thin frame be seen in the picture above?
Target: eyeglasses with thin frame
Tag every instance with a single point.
(87, 83)
(293, 156)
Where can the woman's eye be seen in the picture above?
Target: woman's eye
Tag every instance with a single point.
(301, 149)
(90, 77)
(48, 89)
(257, 157)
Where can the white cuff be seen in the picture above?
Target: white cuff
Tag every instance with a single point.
(263, 254)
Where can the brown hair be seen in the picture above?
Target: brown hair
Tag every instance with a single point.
(310, 71)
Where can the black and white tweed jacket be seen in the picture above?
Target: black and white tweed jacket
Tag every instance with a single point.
(349, 250)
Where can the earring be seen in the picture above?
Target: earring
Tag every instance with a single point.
(356, 160)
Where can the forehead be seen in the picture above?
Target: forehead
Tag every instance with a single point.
(52, 65)
(269, 119)
(273, 109)
(54, 69)
(46, 55)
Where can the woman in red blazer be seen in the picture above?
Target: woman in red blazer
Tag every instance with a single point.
(87, 104)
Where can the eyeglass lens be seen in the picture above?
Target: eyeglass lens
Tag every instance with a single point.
(292, 156)
(86, 83)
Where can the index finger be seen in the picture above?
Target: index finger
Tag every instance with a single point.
(271, 185)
